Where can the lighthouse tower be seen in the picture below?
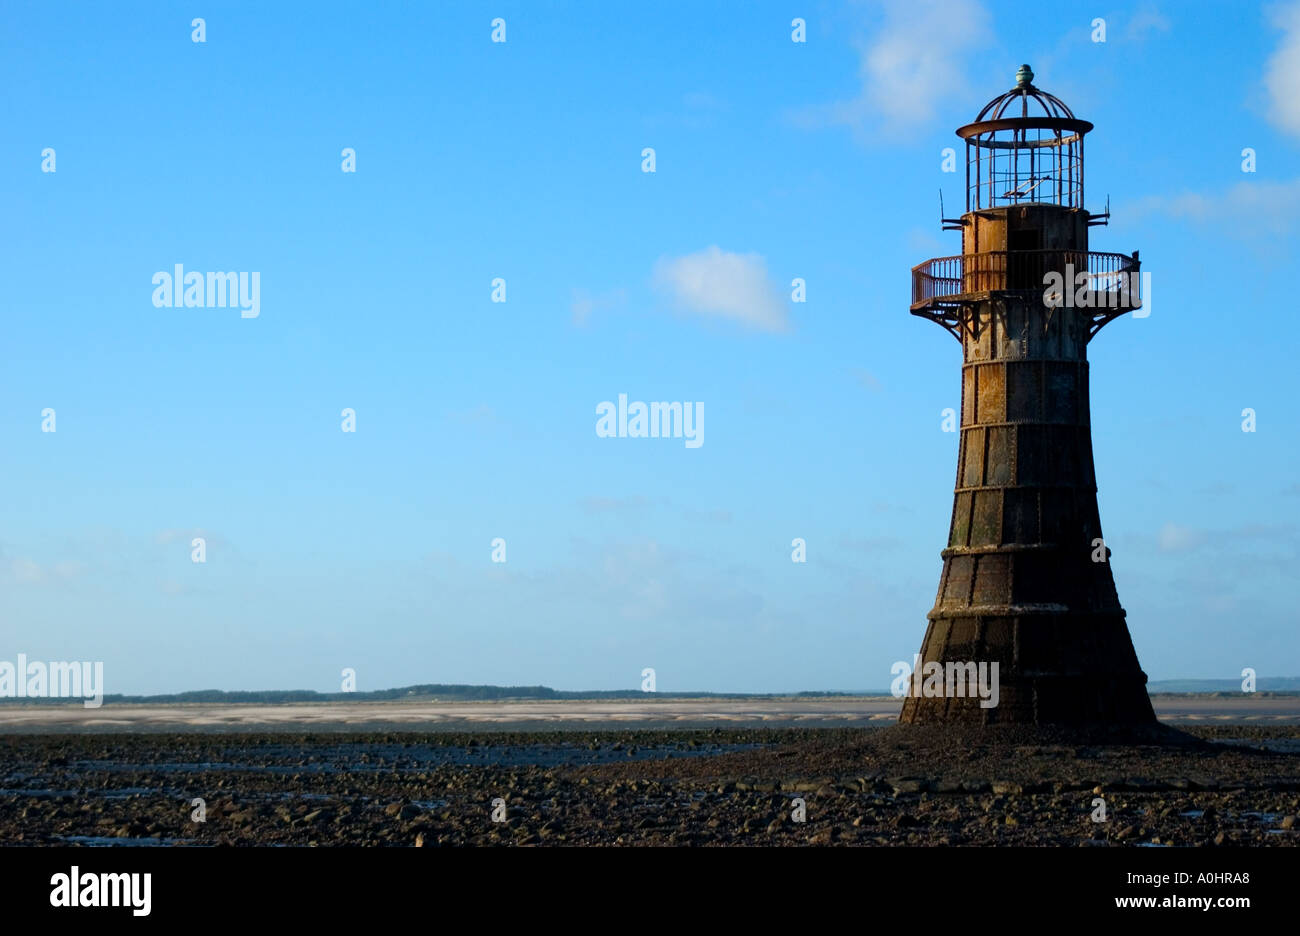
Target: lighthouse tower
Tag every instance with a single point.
(1026, 581)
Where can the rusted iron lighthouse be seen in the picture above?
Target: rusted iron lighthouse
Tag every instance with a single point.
(1026, 581)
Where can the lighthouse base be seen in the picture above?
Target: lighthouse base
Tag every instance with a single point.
(1058, 668)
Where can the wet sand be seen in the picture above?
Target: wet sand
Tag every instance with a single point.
(543, 715)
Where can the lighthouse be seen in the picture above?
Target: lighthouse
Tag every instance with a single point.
(1026, 586)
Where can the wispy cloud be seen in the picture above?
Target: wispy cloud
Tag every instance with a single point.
(699, 109)
(596, 504)
(869, 544)
(481, 415)
(624, 507)
(1247, 209)
(24, 571)
(703, 101)
(585, 305)
(718, 515)
(1146, 21)
(867, 380)
(1282, 73)
(1174, 538)
(726, 285)
(186, 536)
(915, 59)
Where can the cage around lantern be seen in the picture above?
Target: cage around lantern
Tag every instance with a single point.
(1024, 147)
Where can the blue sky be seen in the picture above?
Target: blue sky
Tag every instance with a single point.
(476, 419)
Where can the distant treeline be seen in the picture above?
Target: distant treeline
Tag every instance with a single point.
(457, 693)
(430, 692)
(1232, 686)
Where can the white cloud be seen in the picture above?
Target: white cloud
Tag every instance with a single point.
(1254, 208)
(1145, 21)
(1282, 73)
(584, 304)
(914, 61)
(1176, 538)
(24, 570)
(727, 285)
(28, 572)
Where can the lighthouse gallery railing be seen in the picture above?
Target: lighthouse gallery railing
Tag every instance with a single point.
(1111, 274)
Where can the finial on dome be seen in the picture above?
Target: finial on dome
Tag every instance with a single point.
(1024, 77)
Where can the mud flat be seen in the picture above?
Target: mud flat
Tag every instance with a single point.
(648, 713)
(1222, 785)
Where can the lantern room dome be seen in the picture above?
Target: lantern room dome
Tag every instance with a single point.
(1024, 100)
(1024, 146)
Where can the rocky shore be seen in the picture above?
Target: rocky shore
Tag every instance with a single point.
(1214, 786)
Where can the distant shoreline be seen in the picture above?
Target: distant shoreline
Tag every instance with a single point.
(445, 693)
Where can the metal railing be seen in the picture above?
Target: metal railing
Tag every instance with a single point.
(1112, 280)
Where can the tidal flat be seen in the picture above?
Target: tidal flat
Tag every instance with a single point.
(1207, 785)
